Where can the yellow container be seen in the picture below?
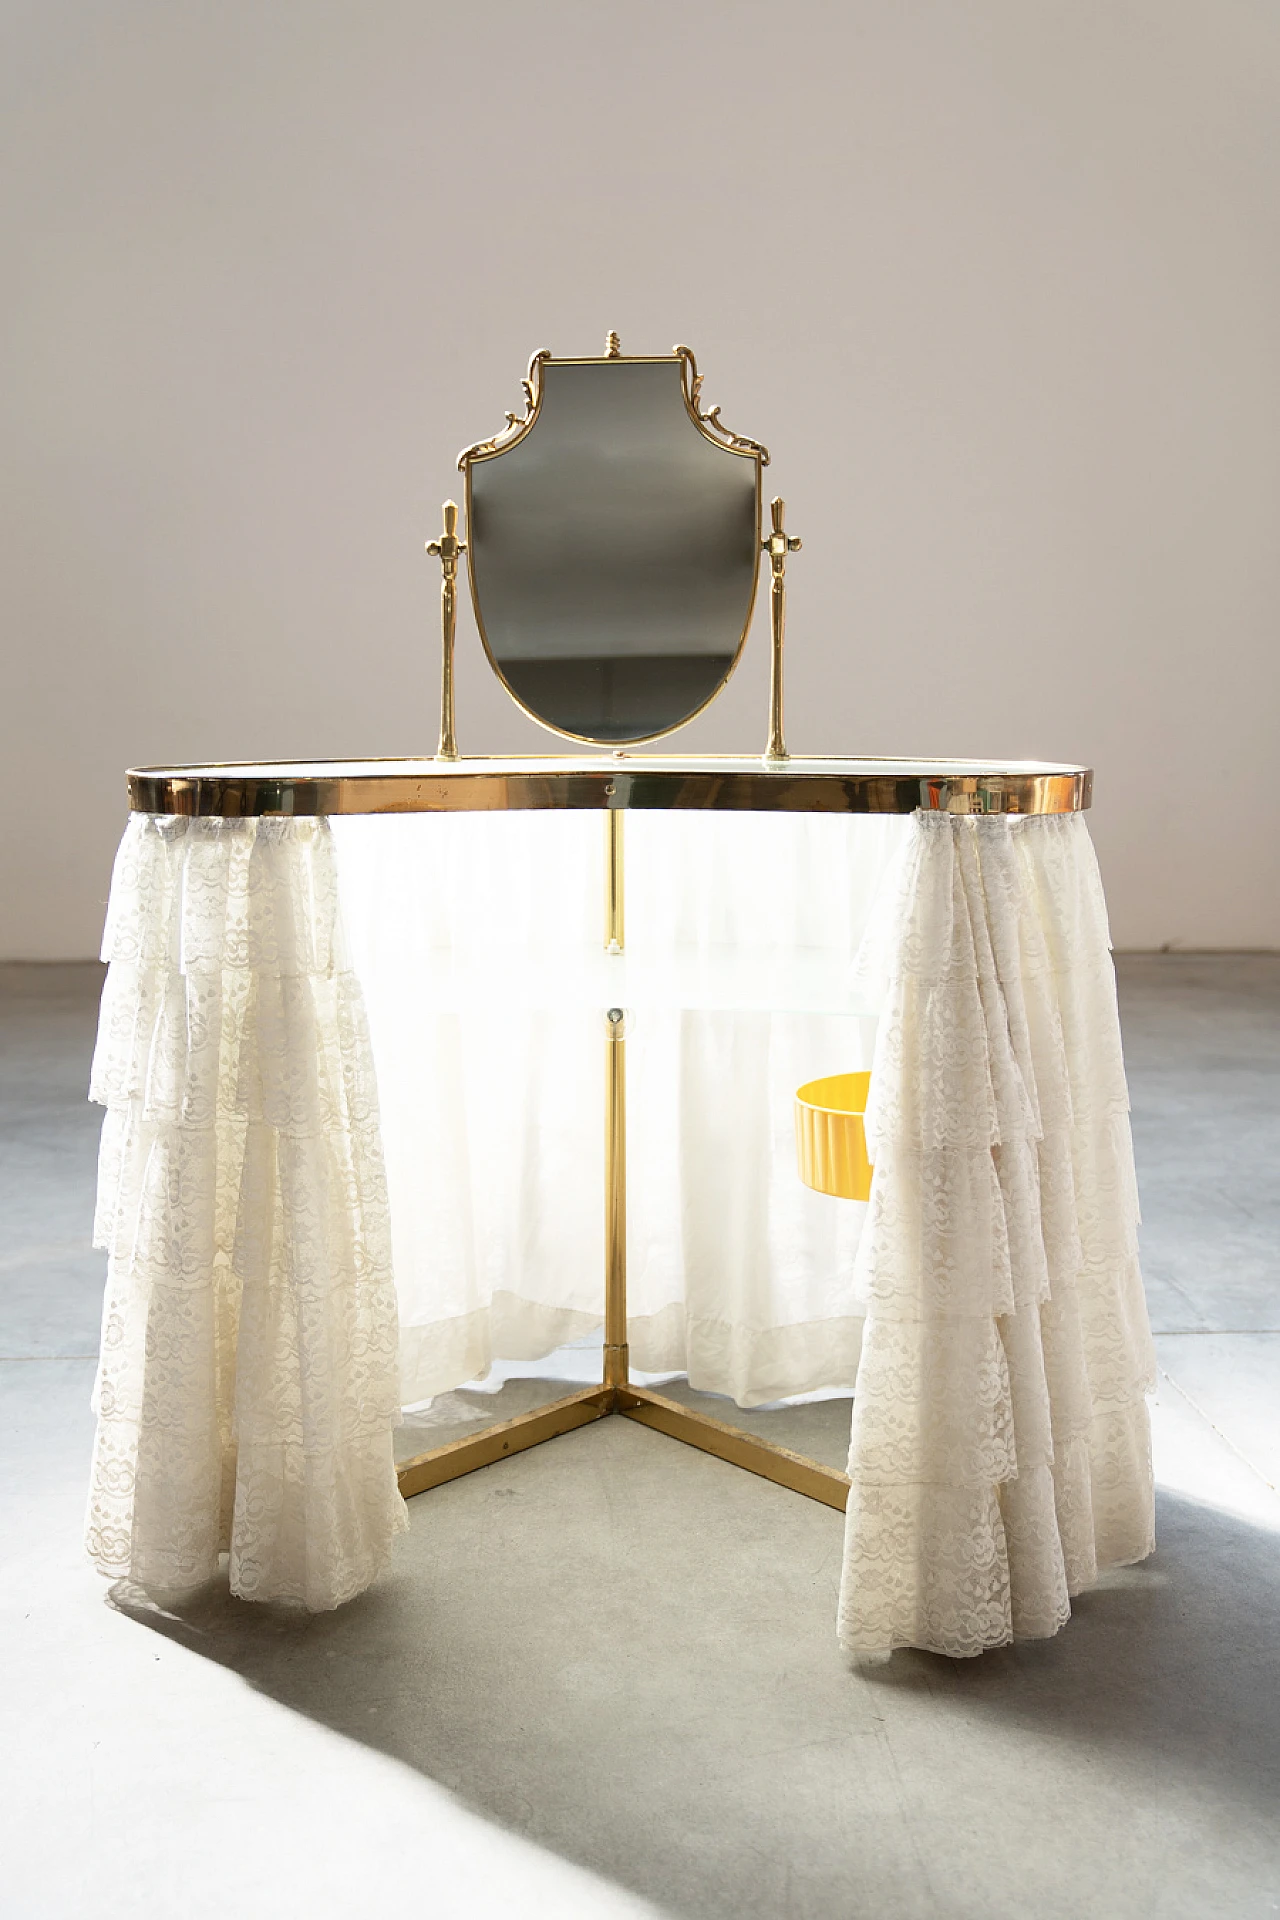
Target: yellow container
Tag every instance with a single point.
(831, 1139)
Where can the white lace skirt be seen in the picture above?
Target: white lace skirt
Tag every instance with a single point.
(986, 1305)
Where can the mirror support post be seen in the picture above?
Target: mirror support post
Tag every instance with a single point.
(778, 546)
(447, 550)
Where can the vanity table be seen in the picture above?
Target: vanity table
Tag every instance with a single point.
(987, 1295)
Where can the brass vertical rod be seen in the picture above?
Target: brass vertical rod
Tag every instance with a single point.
(616, 1369)
(616, 1359)
(777, 749)
(615, 909)
(447, 550)
(778, 546)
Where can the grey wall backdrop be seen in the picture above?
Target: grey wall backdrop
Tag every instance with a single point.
(998, 282)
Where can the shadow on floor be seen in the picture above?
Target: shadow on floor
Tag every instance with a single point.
(1180, 1655)
(650, 1688)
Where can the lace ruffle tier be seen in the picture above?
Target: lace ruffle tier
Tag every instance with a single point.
(1000, 1450)
(247, 1388)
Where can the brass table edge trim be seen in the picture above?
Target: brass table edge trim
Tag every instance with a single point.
(287, 790)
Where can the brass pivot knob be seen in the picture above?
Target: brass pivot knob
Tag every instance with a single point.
(780, 543)
(448, 547)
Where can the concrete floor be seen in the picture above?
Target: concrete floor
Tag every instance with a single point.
(602, 1680)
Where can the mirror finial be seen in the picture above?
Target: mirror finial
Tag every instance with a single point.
(612, 346)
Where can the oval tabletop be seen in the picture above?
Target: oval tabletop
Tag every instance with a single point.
(715, 782)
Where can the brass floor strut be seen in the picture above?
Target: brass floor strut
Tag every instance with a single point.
(763, 1457)
(457, 1457)
(779, 1464)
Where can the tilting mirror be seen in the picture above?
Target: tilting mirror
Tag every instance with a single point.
(613, 542)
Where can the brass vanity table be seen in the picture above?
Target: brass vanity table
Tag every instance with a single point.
(613, 537)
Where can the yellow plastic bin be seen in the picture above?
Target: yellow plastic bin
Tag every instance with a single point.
(831, 1138)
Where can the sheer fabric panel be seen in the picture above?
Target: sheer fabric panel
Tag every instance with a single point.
(247, 1387)
(1000, 1448)
(479, 943)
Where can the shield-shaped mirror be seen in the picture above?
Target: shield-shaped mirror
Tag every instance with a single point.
(613, 542)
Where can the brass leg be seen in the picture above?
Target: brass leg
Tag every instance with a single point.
(779, 1464)
(474, 1450)
(615, 924)
(616, 1364)
(787, 1469)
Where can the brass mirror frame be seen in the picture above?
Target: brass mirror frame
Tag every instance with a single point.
(518, 428)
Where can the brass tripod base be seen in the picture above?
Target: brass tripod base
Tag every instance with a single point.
(779, 1464)
(615, 1394)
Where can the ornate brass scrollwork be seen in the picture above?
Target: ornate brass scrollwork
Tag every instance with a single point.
(518, 424)
(710, 422)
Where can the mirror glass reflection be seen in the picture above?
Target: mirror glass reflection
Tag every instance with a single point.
(613, 554)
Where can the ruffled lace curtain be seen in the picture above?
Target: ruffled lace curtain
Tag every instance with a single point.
(1000, 1449)
(247, 1388)
(248, 1384)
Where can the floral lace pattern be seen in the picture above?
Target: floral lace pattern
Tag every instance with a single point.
(1000, 1450)
(247, 1387)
